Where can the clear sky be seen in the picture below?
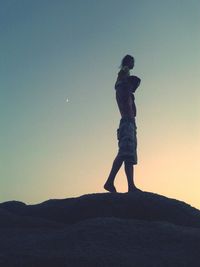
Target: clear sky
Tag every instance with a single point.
(59, 62)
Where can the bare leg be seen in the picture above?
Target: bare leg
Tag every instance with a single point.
(109, 185)
(129, 170)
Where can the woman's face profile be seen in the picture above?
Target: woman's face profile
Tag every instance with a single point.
(131, 63)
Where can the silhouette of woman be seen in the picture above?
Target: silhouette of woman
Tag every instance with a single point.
(125, 86)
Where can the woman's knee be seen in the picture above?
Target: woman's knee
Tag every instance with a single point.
(128, 163)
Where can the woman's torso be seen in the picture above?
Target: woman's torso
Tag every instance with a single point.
(124, 97)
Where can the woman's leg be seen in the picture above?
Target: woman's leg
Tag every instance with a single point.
(129, 170)
(109, 185)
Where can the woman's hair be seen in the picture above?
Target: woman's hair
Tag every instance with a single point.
(125, 60)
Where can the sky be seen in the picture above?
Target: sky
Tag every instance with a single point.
(59, 62)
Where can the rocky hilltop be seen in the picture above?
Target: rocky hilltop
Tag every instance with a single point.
(104, 229)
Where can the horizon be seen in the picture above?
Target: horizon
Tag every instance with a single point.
(59, 115)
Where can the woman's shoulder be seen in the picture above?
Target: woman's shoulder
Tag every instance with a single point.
(125, 70)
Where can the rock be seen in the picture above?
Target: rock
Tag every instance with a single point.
(141, 205)
(101, 230)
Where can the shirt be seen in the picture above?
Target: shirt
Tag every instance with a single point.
(124, 97)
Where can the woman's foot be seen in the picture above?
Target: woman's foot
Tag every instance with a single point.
(109, 187)
(133, 189)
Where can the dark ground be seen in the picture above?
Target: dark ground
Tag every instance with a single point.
(122, 229)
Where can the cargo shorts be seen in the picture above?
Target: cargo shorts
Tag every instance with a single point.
(127, 140)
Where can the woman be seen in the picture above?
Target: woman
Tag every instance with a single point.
(125, 86)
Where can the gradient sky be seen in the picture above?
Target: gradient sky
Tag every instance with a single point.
(59, 62)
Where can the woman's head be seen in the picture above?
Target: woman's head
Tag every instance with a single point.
(128, 61)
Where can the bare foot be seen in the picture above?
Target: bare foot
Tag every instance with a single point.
(134, 189)
(110, 188)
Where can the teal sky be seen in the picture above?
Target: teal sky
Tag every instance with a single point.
(59, 62)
